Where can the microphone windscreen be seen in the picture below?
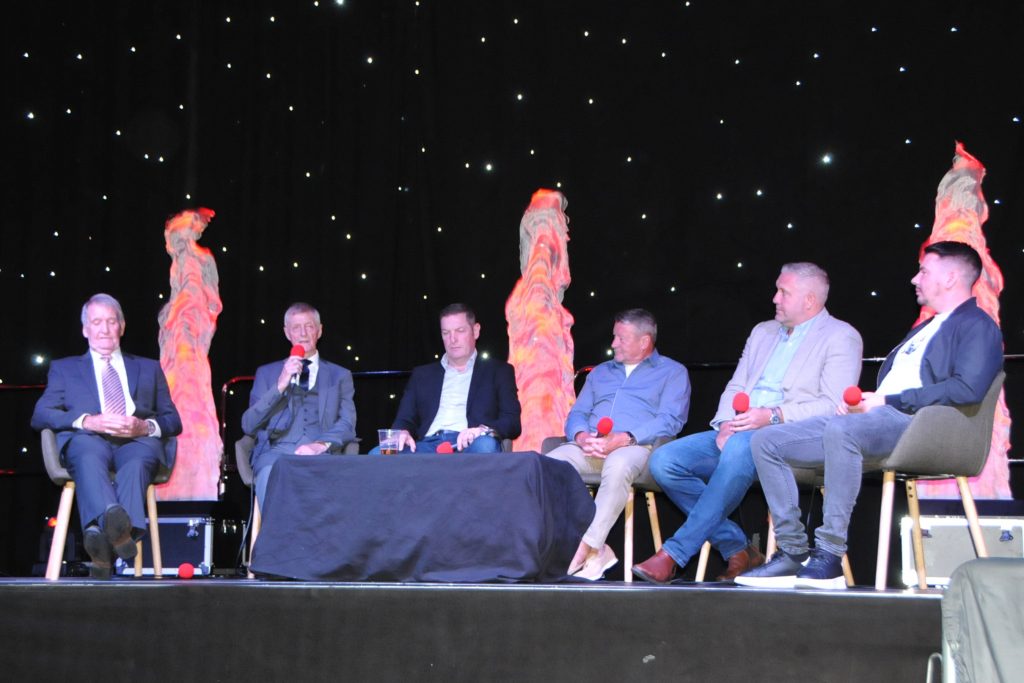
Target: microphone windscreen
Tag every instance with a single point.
(741, 402)
(445, 447)
(852, 395)
(604, 426)
(298, 350)
(186, 570)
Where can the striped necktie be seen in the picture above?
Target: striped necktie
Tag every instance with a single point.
(113, 393)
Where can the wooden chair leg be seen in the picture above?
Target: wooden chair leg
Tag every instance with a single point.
(848, 571)
(770, 546)
(257, 521)
(627, 533)
(652, 513)
(914, 508)
(884, 529)
(154, 532)
(60, 532)
(138, 558)
(702, 562)
(972, 517)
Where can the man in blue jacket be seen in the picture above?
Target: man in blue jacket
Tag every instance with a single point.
(467, 401)
(950, 359)
(112, 411)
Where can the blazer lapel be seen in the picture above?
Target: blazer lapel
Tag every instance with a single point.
(131, 368)
(805, 349)
(324, 383)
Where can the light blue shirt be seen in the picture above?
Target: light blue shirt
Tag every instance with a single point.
(767, 392)
(653, 401)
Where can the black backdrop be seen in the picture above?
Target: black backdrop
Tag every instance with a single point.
(388, 148)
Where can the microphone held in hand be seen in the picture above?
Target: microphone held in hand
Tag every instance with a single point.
(604, 426)
(741, 402)
(852, 396)
(445, 447)
(298, 351)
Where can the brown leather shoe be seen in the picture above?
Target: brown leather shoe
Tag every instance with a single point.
(659, 568)
(741, 562)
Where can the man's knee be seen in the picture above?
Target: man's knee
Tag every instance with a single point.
(484, 444)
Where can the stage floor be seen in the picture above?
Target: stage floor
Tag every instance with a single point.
(226, 629)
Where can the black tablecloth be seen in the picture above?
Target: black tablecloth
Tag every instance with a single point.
(451, 518)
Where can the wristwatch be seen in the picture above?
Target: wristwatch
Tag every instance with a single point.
(776, 418)
(632, 439)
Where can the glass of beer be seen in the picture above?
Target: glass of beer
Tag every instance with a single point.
(388, 440)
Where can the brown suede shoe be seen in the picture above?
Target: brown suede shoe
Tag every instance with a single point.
(659, 568)
(743, 561)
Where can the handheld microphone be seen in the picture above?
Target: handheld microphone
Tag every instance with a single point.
(298, 351)
(445, 447)
(604, 426)
(852, 396)
(741, 402)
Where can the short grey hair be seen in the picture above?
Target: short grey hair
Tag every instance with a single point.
(301, 307)
(642, 319)
(104, 300)
(814, 275)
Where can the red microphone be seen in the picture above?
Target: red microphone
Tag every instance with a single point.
(741, 402)
(445, 447)
(186, 570)
(298, 351)
(852, 396)
(604, 426)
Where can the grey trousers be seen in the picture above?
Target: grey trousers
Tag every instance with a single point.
(618, 471)
(843, 444)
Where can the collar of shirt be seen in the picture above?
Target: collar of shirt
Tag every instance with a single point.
(448, 368)
(800, 331)
(654, 360)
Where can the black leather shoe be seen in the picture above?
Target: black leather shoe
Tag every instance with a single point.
(100, 552)
(117, 526)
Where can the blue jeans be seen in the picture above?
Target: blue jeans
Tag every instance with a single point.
(707, 484)
(842, 443)
(429, 444)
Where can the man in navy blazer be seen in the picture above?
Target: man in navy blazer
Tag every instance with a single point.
(469, 402)
(299, 406)
(110, 411)
(949, 359)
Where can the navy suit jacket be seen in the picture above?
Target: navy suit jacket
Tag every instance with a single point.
(493, 399)
(269, 413)
(958, 366)
(71, 392)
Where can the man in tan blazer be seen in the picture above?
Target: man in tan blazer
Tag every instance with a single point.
(793, 367)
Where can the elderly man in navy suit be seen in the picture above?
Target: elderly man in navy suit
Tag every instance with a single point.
(112, 412)
(301, 405)
(469, 402)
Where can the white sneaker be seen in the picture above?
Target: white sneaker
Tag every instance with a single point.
(597, 564)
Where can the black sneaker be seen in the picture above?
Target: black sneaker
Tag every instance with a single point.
(778, 572)
(823, 570)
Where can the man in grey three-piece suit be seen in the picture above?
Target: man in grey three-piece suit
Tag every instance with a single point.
(792, 368)
(299, 406)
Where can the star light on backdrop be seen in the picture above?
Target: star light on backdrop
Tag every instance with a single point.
(299, 120)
